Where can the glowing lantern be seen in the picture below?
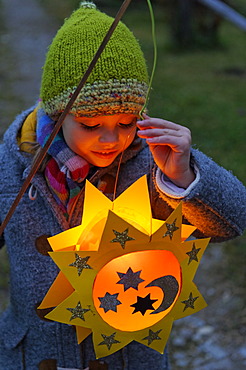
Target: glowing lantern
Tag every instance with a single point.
(124, 276)
(135, 275)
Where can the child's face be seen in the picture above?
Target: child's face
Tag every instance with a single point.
(100, 139)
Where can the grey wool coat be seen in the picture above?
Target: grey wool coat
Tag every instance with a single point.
(215, 205)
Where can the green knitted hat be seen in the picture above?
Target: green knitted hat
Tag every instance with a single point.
(117, 84)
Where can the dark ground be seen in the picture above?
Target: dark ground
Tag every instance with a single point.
(213, 339)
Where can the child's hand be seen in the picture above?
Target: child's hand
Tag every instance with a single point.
(170, 145)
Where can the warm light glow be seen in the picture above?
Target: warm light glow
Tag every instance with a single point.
(153, 265)
(124, 275)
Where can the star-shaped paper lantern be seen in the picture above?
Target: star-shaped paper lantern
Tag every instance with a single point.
(124, 275)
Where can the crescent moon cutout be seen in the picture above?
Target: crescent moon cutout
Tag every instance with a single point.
(170, 288)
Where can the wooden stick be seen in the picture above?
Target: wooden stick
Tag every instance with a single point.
(58, 124)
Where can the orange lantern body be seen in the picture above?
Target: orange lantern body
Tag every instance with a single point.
(123, 275)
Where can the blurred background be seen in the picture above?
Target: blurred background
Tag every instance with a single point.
(200, 82)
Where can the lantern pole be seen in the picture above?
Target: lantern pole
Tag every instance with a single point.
(58, 124)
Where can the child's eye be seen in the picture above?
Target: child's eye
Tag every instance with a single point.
(128, 125)
(90, 128)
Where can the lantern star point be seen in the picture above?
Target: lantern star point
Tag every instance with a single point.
(78, 312)
(80, 263)
(189, 303)
(130, 279)
(108, 340)
(193, 254)
(153, 335)
(171, 228)
(121, 238)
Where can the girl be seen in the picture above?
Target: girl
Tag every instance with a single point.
(103, 123)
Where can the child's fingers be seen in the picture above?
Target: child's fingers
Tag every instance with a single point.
(179, 143)
(148, 133)
(174, 139)
(145, 116)
(158, 123)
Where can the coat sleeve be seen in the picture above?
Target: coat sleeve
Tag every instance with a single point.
(216, 205)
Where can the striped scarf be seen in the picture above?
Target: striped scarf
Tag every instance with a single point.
(65, 171)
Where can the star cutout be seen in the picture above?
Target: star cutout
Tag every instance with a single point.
(121, 238)
(109, 302)
(143, 304)
(189, 303)
(80, 263)
(78, 312)
(152, 336)
(108, 340)
(171, 228)
(130, 279)
(193, 254)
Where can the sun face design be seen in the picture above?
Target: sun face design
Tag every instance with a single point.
(124, 275)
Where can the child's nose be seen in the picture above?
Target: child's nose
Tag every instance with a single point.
(109, 136)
